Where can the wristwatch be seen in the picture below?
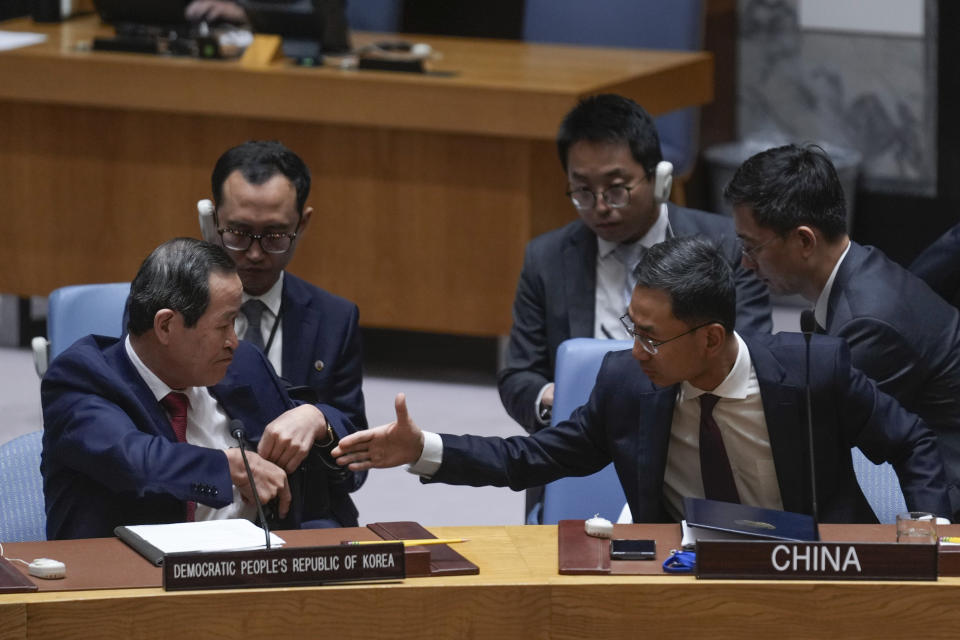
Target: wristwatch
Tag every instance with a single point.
(331, 437)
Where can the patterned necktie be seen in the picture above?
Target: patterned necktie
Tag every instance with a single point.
(629, 256)
(715, 469)
(253, 310)
(177, 404)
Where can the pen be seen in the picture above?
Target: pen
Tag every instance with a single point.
(411, 543)
(954, 539)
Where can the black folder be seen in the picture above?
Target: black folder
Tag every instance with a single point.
(713, 520)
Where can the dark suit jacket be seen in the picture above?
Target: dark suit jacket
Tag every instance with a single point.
(556, 298)
(907, 339)
(110, 456)
(627, 420)
(939, 266)
(322, 350)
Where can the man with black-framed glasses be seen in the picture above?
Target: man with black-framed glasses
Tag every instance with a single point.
(310, 336)
(695, 410)
(577, 280)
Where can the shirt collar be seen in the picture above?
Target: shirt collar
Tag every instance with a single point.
(735, 386)
(271, 298)
(823, 302)
(157, 386)
(655, 234)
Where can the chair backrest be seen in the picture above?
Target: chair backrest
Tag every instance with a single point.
(80, 310)
(22, 516)
(375, 15)
(881, 486)
(647, 24)
(578, 362)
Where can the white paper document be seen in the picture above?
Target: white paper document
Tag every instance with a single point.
(209, 535)
(17, 39)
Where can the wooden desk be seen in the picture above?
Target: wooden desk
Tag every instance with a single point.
(426, 187)
(518, 594)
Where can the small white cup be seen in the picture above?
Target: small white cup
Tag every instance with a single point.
(916, 527)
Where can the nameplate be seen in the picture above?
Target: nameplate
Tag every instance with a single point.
(283, 567)
(815, 560)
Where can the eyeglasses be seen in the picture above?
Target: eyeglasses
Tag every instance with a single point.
(751, 253)
(649, 345)
(237, 240)
(616, 197)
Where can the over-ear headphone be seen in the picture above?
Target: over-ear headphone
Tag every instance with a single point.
(663, 182)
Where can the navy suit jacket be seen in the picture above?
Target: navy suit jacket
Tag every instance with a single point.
(556, 298)
(939, 266)
(110, 456)
(322, 350)
(906, 338)
(627, 420)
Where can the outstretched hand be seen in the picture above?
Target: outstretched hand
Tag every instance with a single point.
(389, 445)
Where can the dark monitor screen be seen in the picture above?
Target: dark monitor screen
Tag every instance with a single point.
(308, 27)
(165, 12)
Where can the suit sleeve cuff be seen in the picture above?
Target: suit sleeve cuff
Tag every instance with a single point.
(431, 457)
(536, 406)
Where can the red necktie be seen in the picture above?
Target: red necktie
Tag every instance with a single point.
(715, 469)
(177, 404)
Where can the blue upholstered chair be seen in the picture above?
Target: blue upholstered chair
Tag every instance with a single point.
(22, 517)
(375, 15)
(578, 362)
(77, 311)
(646, 24)
(881, 487)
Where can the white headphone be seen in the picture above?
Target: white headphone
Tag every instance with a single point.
(208, 227)
(663, 182)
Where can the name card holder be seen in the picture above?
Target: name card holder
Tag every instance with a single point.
(283, 567)
(766, 560)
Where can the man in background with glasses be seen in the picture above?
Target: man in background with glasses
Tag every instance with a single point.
(696, 410)
(310, 336)
(790, 214)
(576, 281)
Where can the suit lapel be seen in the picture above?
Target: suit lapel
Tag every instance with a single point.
(838, 310)
(783, 411)
(117, 356)
(301, 326)
(579, 264)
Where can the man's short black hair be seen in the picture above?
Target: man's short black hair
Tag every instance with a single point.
(258, 161)
(611, 118)
(699, 281)
(176, 275)
(791, 186)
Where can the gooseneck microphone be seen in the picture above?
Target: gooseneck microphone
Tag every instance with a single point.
(238, 431)
(808, 324)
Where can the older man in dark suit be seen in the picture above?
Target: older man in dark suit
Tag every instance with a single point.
(137, 429)
(696, 411)
(790, 215)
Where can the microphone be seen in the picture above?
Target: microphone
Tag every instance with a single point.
(808, 324)
(238, 431)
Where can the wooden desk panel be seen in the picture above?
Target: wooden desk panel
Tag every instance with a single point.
(518, 594)
(426, 188)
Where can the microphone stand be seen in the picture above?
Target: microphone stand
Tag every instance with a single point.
(808, 323)
(238, 432)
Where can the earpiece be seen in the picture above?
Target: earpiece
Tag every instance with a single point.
(208, 226)
(663, 182)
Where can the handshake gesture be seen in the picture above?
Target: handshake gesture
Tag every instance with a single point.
(390, 445)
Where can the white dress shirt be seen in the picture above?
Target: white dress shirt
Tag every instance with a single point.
(272, 301)
(823, 301)
(207, 426)
(743, 426)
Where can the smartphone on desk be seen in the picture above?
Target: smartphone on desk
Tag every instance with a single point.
(623, 549)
